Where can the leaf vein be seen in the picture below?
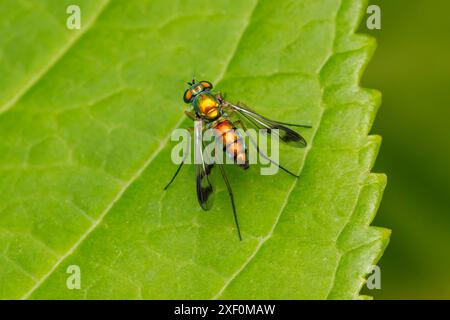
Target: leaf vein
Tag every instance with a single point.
(53, 61)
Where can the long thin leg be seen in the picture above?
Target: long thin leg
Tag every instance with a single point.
(175, 175)
(179, 167)
(230, 192)
(263, 154)
(267, 158)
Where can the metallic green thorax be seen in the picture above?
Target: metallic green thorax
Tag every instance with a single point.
(206, 105)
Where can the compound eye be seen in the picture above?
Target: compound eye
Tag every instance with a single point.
(206, 84)
(187, 97)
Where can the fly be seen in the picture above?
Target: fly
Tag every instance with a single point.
(209, 110)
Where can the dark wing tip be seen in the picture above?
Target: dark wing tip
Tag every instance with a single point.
(291, 137)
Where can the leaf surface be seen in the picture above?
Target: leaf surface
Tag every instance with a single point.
(85, 124)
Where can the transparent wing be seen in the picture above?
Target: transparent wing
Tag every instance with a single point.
(286, 134)
(204, 187)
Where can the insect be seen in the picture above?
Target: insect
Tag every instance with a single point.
(209, 110)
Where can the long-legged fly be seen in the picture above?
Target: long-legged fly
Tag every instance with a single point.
(209, 110)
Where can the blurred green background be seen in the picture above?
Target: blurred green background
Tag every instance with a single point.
(412, 69)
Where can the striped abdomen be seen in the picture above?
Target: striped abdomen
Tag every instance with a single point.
(233, 143)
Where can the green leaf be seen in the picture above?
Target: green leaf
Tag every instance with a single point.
(85, 124)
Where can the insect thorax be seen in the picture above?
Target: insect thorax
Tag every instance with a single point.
(207, 106)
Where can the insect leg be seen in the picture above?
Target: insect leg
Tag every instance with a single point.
(262, 153)
(230, 192)
(190, 115)
(175, 175)
(221, 96)
(179, 167)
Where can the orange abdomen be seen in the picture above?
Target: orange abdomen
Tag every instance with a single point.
(233, 144)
